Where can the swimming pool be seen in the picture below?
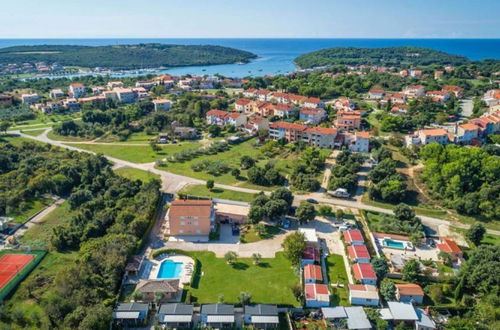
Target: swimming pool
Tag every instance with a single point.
(170, 269)
(394, 244)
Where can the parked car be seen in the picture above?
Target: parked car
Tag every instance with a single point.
(339, 193)
(312, 201)
(343, 228)
(286, 224)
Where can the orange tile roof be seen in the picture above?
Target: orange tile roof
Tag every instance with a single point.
(376, 91)
(409, 289)
(363, 135)
(313, 272)
(353, 235)
(322, 130)
(449, 246)
(200, 208)
(243, 101)
(313, 100)
(217, 113)
(434, 132)
(311, 111)
(363, 271)
(288, 126)
(358, 251)
(469, 127)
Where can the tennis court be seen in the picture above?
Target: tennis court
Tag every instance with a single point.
(11, 265)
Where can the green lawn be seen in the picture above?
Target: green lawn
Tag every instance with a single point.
(137, 154)
(203, 191)
(34, 132)
(31, 208)
(136, 174)
(337, 274)
(15, 139)
(251, 234)
(42, 232)
(46, 120)
(268, 283)
(429, 212)
(139, 138)
(53, 136)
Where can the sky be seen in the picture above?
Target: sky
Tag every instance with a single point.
(250, 19)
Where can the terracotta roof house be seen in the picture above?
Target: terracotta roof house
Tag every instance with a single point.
(358, 253)
(312, 274)
(310, 256)
(364, 273)
(169, 288)
(409, 293)
(353, 237)
(191, 218)
(366, 295)
(317, 295)
(448, 245)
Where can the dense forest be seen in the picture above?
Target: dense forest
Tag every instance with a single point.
(125, 56)
(390, 56)
(110, 216)
(466, 179)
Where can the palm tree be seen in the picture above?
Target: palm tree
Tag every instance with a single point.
(244, 298)
(256, 258)
(220, 299)
(158, 298)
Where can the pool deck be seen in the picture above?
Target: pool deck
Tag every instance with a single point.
(187, 267)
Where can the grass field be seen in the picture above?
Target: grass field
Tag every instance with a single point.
(203, 191)
(337, 274)
(139, 138)
(136, 174)
(34, 132)
(53, 136)
(137, 154)
(269, 282)
(32, 207)
(46, 120)
(252, 236)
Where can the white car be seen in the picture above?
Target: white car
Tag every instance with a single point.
(340, 193)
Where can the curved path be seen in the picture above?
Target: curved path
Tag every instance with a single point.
(173, 183)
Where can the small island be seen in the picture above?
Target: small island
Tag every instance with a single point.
(390, 56)
(122, 57)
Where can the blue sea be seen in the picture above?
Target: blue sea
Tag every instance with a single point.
(276, 55)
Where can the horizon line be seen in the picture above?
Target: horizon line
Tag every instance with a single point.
(270, 38)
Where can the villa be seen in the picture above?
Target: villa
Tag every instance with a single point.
(312, 115)
(364, 274)
(261, 316)
(176, 315)
(77, 90)
(30, 98)
(366, 295)
(376, 94)
(168, 288)
(448, 245)
(360, 142)
(410, 293)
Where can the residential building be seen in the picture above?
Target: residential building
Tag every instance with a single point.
(438, 74)
(313, 102)
(407, 314)
(415, 73)
(347, 120)
(231, 212)
(399, 109)
(168, 289)
(360, 143)
(263, 95)
(457, 91)
(321, 137)
(438, 135)
(376, 94)
(310, 236)
(312, 274)
(243, 105)
(176, 315)
(364, 274)
(114, 84)
(56, 93)
(448, 245)
(131, 313)
(217, 315)
(191, 218)
(77, 90)
(410, 293)
(124, 95)
(358, 253)
(98, 90)
(366, 295)
(466, 133)
(283, 110)
(249, 92)
(261, 316)
(492, 97)
(414, 91)
(317, 295)
(355, 316)
(296, 99)
(30, 98)
(263, 108)
(310, 256)
(289, 131)
(256, 124)
(438, 96)
(186, 133)
(162, 104)
(343, 104)
(99, 99)
(353, 237)
(312, 115)
(488, 123)
(145, 84)
(140, 92)
(71, 104)
(223, 118)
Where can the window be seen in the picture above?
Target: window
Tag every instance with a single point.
(196, 223)
(181, 231)
(183, 223)
(182, 217)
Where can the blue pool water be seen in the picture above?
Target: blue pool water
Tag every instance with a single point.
(170, 269)
(394, 244)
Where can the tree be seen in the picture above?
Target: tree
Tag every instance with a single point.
(220, 299)
(214, 130)
(4, 126)
(475, 233)
(416, 239)
(210, 184)
(137, 296)
(158, 297)
(244, 298)
(436, 293)
(256, 258)
(284, 194)
(380, 267)
(411, 271)
(154, 146)
(260, 228)
(247, 162)
(445, 257)
(230, 257)
(305, 212)
(403, 212)
(235, 172)
(256, 214)
(388, 290)
(294, 245)
(325, 210)
(275, 208)
(339, 214)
